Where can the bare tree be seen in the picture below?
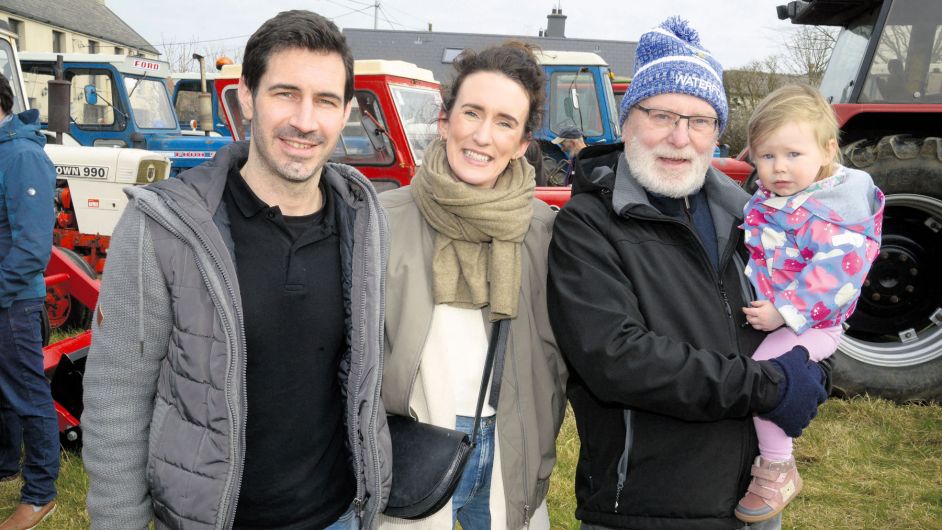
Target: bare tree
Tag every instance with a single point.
(745, 88)
(180, 54)
(807, 51)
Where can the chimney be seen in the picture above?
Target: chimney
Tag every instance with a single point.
(556, 24)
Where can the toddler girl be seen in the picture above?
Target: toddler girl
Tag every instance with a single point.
(812, 230)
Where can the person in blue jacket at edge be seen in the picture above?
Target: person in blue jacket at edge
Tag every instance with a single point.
(27, 214)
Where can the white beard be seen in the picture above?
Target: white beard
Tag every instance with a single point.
(674, 184)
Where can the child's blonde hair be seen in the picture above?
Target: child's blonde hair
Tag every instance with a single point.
(797, 103)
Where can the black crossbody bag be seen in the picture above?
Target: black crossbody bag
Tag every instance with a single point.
(428, 460)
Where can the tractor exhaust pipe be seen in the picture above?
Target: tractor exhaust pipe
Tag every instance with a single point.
(60, 91)
(205, 99)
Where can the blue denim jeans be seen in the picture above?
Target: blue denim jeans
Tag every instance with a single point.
(347, 521)
(25, 392)
(11, 440)
(470, 504)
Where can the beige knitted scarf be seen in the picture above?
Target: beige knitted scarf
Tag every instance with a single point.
(479, 232)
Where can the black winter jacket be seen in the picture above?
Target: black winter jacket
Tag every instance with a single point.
(661, 380)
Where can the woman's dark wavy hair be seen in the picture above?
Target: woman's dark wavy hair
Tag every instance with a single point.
(294, 29)
(514, 59)
(6, 95)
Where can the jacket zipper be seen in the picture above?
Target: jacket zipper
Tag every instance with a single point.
(718, 279)
(234, 480)
(381, 322)
(622, 468)
(523, 432)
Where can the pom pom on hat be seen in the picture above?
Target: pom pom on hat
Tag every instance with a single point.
(671, 60)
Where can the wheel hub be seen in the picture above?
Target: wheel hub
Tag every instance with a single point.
(896, 322)
(894, 275)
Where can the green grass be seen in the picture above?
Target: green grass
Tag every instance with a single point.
(867, 465)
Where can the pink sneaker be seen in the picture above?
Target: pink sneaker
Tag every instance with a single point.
(774, 484)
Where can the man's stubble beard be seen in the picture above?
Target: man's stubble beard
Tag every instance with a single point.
(290, 171)
(676, 184)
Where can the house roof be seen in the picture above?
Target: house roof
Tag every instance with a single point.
(89, 17)
(427, 49)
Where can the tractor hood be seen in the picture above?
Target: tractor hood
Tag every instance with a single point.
(193, 149)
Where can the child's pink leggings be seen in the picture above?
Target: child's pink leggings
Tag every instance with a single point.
(774, 444)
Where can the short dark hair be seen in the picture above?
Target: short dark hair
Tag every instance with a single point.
(6, 95)
(514, 59)
(294, 29)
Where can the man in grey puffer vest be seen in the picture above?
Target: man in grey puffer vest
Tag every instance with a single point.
(234, 375)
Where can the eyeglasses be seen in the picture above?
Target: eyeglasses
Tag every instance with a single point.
(664, 119)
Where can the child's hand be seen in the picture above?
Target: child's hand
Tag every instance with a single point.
(763, 315)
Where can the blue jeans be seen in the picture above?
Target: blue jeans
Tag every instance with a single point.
(26, 394)
(470, 504)
(347, 521)
(11, 440)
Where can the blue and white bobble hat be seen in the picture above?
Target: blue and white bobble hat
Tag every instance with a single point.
(670, 59)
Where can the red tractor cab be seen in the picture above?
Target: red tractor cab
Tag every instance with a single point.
(884, 79)
(394, 117)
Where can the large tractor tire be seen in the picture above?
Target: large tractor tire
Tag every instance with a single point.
(62, 309)
(893, 345)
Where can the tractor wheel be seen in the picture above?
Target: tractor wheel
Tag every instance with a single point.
(893, 345)
(64, 311)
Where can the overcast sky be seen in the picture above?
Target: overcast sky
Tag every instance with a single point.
(736, 31)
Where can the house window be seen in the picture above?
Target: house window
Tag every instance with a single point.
(16, 26)
(450, 54)
(118, 50)
(92, 46)
(58, 42)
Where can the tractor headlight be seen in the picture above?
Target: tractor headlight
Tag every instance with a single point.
(149, 171)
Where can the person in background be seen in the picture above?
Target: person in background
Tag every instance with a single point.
(468, 248)
(27, 215)
(534, 156)
(645, 270)
(571, 142)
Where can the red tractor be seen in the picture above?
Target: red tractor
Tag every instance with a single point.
(394, 116)
(884, 79)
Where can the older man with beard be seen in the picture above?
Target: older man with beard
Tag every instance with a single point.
(645, 285)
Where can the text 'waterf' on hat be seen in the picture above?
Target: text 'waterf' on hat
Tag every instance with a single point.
(671, 60)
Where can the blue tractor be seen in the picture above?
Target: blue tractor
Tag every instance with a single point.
(578, 95)
(186, 93)
(118, 101)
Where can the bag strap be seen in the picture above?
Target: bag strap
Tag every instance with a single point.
(498, 344)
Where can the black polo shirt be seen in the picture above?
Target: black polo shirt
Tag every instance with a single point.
(297, 465)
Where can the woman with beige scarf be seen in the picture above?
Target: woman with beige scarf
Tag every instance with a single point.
(468, 247)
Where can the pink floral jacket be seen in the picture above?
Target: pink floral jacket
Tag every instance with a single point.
(810, 252)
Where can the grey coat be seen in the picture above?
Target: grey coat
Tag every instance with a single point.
(165, 400)
(532, 396)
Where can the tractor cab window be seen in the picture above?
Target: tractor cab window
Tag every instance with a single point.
(612, 103)
(186, 102)
(9, 71)
(907, 63)
(91, 114)
(150, 103)
(846, 58)
(362, 141)
(574, 103)
(238, 125)
(418, 109)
